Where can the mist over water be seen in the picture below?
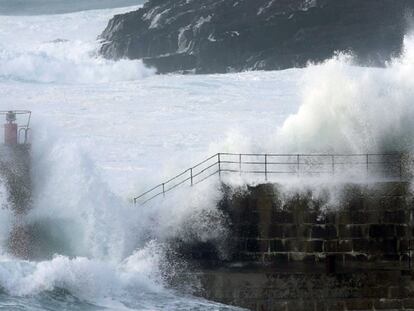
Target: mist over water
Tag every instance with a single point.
(105, 131)
(47, 65)
(342, 108)
(44, 54)
(91, 249)
(345, 108)
(348, 109)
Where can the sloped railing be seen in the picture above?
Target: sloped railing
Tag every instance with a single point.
(267, 165)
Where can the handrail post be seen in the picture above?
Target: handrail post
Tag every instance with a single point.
(240, 164)
(163, 189)
(367, 164)
(298, 164)
(191, 176)
(265, 163)
(219, 165)
(333, 165)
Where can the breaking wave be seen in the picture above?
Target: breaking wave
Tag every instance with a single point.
(94, 246)
(91, 243)
(345, 108)
(67, 62)
(84, 278)
(61, 49)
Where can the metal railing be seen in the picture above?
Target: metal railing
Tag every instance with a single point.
(267, 165)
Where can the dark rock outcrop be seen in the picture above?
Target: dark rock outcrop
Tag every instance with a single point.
(215, 36)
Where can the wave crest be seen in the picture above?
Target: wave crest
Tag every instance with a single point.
(345, 108)
(64, 61)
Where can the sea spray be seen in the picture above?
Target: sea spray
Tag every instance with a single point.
(94, 248)
(348, 109)
(6, 218)
(44, 55)
(51, 62)
(133, 132)
(70, 189)
(340, 108)
(79, 229)
(85, 278)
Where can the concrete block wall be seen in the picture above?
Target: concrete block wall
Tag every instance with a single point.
(16, 190)
(301, 250)
(369, 224)
(15, 175)
(294, 291)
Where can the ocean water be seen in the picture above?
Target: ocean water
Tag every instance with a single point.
(104, 131)
(38, 7)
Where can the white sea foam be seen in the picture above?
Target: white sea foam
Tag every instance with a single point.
(52, 63)
(349, 109)
(85, 278)
(61, 49)
(105, 131)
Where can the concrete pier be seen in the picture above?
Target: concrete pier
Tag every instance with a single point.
(15, 179)
(15, 176)
(296, 250)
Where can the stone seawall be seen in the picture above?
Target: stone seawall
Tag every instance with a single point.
(15, 177)
(343, 248)
(292, 290)
(16, 195)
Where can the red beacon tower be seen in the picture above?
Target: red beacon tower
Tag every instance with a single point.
(10, 129)
(16, 131)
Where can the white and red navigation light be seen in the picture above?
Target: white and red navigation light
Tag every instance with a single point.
(16, 127)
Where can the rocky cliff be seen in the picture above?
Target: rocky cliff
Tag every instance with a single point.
(215, 36)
